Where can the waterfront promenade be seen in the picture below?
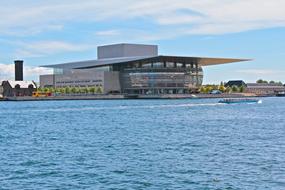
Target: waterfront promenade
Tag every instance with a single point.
(119, 96)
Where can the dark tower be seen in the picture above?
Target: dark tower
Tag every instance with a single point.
(19, 70)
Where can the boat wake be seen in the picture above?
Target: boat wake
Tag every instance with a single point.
(123, 107)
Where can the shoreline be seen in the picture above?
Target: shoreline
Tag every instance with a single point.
(123, 97)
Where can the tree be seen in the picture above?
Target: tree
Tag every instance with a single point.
(84, 90)
(67, 90)
(261, 81)
(235, 88)
(228, 89)
(241, 89)
(209, 89)
(77, 90)
(202, 89)
(57, 90)
(52, 89)
(46, 89)
(92, 90)
(99, 90)
(222, 88)
(73, 90)
(62, 90)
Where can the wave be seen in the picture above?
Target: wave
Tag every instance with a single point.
(122, 107)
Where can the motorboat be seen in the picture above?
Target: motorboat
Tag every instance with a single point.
(240, 100)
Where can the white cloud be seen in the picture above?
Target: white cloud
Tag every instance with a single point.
(108, 33)
(30, 73)
(261, 72)
(42, 48)
(195, 17)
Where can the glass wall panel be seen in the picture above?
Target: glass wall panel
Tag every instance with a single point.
(158, 65)
(154, 78)
(179, 65)
(148, 65)
(169, 64)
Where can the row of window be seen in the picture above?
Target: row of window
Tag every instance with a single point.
(162, 65)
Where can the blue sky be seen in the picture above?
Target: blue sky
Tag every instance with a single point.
(50, 31)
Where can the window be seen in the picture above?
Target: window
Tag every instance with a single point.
(188, 65)
(148, 65)
(179, 65)
(157, 65)
(169, 64)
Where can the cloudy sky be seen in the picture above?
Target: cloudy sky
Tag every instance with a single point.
(53, 31)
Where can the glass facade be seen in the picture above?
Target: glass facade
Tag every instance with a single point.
(151, 76)
(161, 78)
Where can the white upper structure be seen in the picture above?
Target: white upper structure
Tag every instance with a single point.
(126, 50)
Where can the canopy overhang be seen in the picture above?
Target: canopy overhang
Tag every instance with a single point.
(202, 61)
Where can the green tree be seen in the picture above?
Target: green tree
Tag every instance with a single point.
(228, 89)
(84, 90)
(99, 90)
(261, 81)
(40, 89)
(202, 89)
(52, 89)
(46, 89)
(62, 90)
(209, 89)
(57, 90)
(67, 90)
(78, 90)
(241, 89)
(235, 88)
(73, 90)
(222, 88)
(92, 90)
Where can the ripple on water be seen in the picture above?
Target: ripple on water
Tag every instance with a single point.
(142, 144)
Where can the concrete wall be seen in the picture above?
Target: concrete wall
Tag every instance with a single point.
(46, 80)
(111, 82)
(80, 79)
(126, 50)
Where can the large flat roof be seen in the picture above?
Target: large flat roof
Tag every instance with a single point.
(202, 61)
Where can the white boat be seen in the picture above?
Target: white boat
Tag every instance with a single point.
(240, 100)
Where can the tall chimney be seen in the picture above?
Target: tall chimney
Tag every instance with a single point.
(19, 70)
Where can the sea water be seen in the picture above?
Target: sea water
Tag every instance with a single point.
(142, 144)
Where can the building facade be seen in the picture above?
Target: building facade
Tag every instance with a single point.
(133, 69)
(11, 88)
(264, 88)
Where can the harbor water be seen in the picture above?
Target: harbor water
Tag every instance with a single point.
(142, 144)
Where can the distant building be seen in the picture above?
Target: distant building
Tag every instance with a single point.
(237, 83)
(17, 88)
(133, 69)
(264, 88)
(1, 90)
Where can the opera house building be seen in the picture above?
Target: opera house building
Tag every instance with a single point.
(133, 69)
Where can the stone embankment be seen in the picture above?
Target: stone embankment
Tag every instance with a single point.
(115, 97)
